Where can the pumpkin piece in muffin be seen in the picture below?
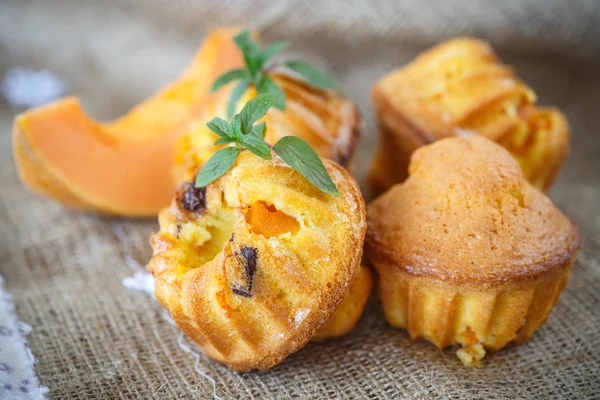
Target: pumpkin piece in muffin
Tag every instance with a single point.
(460, 88)
(468, 253)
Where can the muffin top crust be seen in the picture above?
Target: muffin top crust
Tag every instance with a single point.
(467, 214)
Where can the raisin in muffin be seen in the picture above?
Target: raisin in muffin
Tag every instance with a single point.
(468, 253)
(461, 88)
(252, 265)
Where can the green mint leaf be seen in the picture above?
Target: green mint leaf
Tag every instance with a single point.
(236, 93)
(314, 76)
(273, 49)
(267, 85)
(257, 78)
(251, 51)
(254, 110)
(253, 60)
(236, 127)
(217, 165)
(227, 77)
(300, 156)
(243, 40)
(256, 146)
(259, 130)
(219, 126)
(224, 141)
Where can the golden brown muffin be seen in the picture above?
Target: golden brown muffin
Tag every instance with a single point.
(460, 88)
(467, 251)
(251, 266)
(351, 308)
(329, 122)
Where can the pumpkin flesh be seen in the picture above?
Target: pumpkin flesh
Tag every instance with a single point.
(121, 167)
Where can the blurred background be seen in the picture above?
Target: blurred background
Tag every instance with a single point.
(112, 54)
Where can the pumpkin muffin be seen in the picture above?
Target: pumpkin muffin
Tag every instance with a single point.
(461, 88)
(467, 251)
(252, 265)
(348, 313)
(327, 121)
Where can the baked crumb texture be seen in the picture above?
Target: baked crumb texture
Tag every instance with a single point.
(461, 88)
(252, 266)
(350, 310)
(468, 253)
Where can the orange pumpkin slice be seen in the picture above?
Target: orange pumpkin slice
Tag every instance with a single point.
(121, 167)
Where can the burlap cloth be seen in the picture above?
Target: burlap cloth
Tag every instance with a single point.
(96, 340)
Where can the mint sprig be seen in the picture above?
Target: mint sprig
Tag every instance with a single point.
(244, 135)
(258, 63)
(299, 155)
(217, 165)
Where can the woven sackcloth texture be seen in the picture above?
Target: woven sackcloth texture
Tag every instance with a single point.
(95, 339)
